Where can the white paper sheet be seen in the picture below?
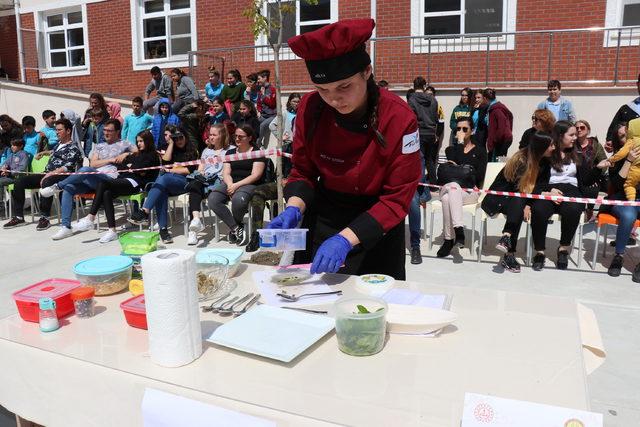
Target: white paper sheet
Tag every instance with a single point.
(408, 297)
(160, 409)
(314, 284)
(490, 411)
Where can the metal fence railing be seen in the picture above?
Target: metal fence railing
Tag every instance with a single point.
(578, 57)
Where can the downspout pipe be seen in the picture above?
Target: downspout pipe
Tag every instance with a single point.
(374, 15)
(16, 8)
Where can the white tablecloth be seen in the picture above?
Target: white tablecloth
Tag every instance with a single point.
(94, 371)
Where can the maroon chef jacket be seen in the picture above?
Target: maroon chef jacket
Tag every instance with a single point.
(356, 163)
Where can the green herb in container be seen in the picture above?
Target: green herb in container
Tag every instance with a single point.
(361, 325)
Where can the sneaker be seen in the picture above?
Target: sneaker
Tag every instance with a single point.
(445, 249)
(416, 256)
(231, 237)
(510, 263)
(616, 266)
(43, 224)
(109, 236)
(242, 238)
(538, 262)
(138, 217)
(49, 191)
(14, 222)
(504, 244)
(254, 242)
(62, 233)
(85, 224)
(196, 225)
(563, 260)
(192, 238)
(165, 236)
(636, 274)
(459, 236)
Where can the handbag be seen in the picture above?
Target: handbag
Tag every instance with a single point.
(464, 175)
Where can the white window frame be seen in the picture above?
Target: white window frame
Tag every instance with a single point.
(266, 54)
(443, 44)
(46, 70)
(613, 19)
(137, 36)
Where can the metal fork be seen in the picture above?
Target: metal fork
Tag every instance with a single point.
(208, 308)
(224, 305)
(246, 307)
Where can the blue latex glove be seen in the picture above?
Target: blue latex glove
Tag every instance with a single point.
(331, 255)
(287, 219)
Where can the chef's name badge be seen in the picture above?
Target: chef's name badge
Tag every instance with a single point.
(411, 143)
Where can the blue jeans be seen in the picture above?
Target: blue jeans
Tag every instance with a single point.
(167, 184)
(77, 184)
(626, 215)
(423, 194)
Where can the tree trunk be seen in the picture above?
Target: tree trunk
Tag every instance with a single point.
(279, 117)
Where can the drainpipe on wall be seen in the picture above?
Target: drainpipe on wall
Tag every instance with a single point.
(16, 7)
(374, 7)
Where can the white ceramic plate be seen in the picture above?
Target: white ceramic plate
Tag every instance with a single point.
(273, 332)
(411, 319)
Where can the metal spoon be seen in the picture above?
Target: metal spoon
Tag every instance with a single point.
(306, 310)
(294, 298)
(228, 309)
(246, 307)
(219, 299)
(224, 305)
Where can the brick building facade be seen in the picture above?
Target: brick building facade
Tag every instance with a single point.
(110, 45)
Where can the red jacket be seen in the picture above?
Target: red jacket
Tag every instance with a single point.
(500, 126)
(355, 163)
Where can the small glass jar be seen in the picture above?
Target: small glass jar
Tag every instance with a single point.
(47, 315)
(83, 301)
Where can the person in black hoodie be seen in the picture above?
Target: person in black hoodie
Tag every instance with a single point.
(426, 108)
(521, 173)
(247, 115)
(564, 175)
(625, 113)
(127, 183)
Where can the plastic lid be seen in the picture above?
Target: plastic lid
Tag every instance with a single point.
(102, 265)
(84, 292)
(209, 256)
(47, 304)
(135, 304)
(50, 288)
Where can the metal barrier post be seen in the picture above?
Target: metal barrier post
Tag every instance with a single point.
(486, 75)
(615, 72)
(549, 59)
(429, 61)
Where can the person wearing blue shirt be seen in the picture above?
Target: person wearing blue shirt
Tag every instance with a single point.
(49, 130)
(561, 107)
(30, 137)
(215, 86)
(135, 122)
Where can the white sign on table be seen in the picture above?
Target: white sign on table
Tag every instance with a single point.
(314, 284)
(489, 411)
(160, 409)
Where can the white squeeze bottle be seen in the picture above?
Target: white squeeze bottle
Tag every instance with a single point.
(48, 317)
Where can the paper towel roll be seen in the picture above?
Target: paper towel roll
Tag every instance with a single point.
(171, 299)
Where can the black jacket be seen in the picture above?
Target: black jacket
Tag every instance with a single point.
(426, 108)
(623, 115)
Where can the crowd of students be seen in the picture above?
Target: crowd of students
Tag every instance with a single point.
(173, 123)
(557, 156)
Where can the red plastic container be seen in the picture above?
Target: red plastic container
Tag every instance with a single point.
(57, 289)
(135, 312)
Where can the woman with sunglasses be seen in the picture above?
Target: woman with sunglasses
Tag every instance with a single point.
(541, 121)
(239, 179)
(171, 181)
(592, 153)
(453, 198)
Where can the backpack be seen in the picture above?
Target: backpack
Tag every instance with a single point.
(270, 172)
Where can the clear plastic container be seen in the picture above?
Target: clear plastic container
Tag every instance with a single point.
(292, 239)
(47, 316)
(106, 274)
(83, 301)
(361, 325)
(59, 290)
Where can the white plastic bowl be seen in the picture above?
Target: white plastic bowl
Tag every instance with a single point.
(411, 319)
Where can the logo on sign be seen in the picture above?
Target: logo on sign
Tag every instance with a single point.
(574, 423)
(483, 413)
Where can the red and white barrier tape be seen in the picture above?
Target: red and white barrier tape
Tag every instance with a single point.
(597, 201)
